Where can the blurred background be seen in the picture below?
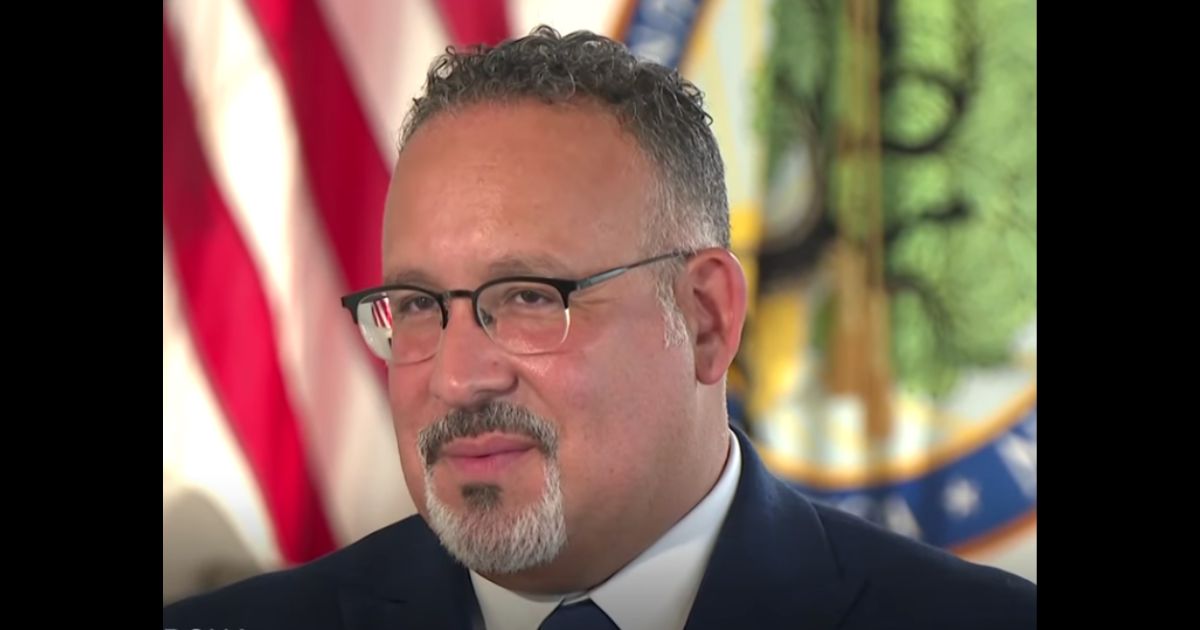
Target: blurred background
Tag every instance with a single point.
(881, 158)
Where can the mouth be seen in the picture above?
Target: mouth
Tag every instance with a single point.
(488, 455)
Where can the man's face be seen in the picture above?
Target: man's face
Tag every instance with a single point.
(584, 440)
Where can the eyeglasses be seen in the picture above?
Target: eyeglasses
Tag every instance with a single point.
(523, 314)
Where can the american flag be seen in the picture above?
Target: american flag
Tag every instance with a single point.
(381, 312)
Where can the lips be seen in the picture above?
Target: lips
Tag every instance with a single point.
(487, 445)
(487, 455)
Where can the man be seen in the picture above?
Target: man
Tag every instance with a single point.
(558, 313)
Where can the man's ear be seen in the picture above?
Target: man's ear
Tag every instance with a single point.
(714, 303)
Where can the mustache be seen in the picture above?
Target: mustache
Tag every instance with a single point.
(500, 417)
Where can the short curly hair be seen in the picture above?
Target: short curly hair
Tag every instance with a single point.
(663, 112)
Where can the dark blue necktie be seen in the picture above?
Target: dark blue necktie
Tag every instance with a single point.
(585, 615)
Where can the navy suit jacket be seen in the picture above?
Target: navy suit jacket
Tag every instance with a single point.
(780, 561)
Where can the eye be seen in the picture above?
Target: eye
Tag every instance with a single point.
(415, 304)
(530, 297)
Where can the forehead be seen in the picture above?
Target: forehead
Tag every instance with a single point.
(505, 181)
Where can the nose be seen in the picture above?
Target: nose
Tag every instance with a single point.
(469, 369)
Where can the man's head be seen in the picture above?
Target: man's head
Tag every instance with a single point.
(549, 431)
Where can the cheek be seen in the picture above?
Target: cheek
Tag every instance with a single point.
(410, 413)
(601, 397)
(556, 386)
(408, 394)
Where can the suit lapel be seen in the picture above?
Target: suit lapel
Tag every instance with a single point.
(424, 589)
(772, 565)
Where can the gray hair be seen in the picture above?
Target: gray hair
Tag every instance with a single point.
(661, 110)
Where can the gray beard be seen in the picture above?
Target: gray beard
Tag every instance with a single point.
(488, 539)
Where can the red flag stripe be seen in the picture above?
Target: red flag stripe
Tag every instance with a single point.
(232, 326)
(472, 22)
(346, 173)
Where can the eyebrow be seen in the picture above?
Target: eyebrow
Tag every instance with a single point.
(532, 265)
(409, 276)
